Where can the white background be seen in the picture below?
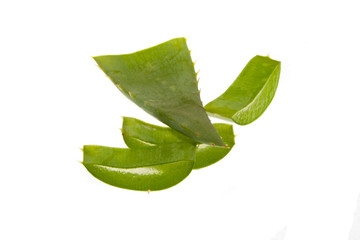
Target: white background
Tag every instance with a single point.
(296, 168)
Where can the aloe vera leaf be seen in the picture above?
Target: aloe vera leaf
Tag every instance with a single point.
(250, 94)
(143, 169)
(139, 134)
(162, 81)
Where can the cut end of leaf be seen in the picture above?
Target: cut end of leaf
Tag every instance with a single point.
(250, 94)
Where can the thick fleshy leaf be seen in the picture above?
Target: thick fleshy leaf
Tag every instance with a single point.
(250, 94)
(153, 168)
(138, 134)
(162, 81)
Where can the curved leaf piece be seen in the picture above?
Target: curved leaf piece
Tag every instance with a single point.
(143, 169)
(162, 81)
(250, 94)
(139, 134)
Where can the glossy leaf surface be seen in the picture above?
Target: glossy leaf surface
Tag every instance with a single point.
(152, 168)
(138, 134)
(250, 94)
(162, 81)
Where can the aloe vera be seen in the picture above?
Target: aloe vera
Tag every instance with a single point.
(152, 168)
(250, 94)
(138, 134)
(162, 81)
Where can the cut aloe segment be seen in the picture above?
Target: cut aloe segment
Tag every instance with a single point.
(152, 168)
(138, 134)
(250, 94)
(162, 81)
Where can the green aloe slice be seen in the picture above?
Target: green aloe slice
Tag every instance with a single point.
(162, 81)
(152, 168)
(250, 94)
(139, 134)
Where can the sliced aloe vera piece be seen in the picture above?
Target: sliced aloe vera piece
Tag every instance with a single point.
(152, 168)
(250, 94)
(162, 81)
(138, 134)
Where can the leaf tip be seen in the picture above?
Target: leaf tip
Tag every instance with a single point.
(96, 58)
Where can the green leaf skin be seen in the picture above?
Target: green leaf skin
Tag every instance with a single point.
(250, 94)
(162, 81)
(153, 168)
(206, 155)
(138, 134)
